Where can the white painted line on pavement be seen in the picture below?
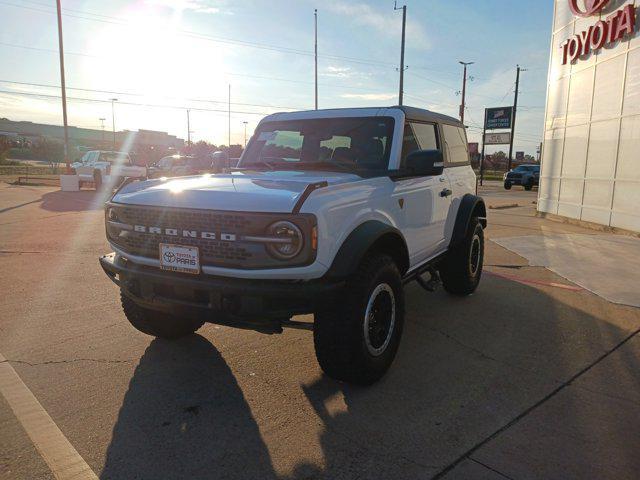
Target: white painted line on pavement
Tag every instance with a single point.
(63, 460)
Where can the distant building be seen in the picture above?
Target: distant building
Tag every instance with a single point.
(140, 141)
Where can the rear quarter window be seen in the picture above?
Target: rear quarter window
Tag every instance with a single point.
(455, 141)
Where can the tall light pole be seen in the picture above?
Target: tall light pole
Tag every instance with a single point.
(102, 120)
(63, 86)
(245, 133)
(229, 142)
(404, 23)
(464, 89)
(315, 21)
(113, 120)
(513, 120)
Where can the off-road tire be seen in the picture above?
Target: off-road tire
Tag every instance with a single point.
(507, 185)
(157, 324)
(97, 179)
(462, 269)
(343, 349)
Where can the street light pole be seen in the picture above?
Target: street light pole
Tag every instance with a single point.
(315, 21)
(63, 86)
(229, 143)
(102, 127)
(464, 89)
(404, 23)
(113, 121)
(245, 133)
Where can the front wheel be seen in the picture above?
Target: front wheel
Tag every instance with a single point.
(507, 185)
(157, 324)
(357, 340)
(462, 269)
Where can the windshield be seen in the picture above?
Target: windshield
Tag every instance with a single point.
(335, 144)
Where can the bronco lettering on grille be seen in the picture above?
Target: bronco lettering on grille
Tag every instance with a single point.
(174, 232)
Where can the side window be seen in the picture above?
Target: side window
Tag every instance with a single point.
(455, 139)
(409, 144)
(426, 135)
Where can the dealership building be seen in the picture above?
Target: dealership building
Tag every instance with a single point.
(591, 153)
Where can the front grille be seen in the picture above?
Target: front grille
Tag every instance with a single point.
(230, 254)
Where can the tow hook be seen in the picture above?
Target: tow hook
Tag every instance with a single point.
(432, 284)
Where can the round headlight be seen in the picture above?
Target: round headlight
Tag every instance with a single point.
(288, 240)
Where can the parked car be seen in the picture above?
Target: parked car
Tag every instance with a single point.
(526, 175)
(107, 168)
(180, 165)
(329, 212)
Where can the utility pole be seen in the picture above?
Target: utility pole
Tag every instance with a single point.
(102, 120)
(188, 128)
(404, 24)
(113, 121)
(513, 121)
(64, 89)
(315, 21)
(245, 133)
(464, 89)
(229, 142)
(484, 136)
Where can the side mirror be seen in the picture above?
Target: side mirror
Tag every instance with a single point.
(425, 163)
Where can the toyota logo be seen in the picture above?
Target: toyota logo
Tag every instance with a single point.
(169, 257)
(591, 7)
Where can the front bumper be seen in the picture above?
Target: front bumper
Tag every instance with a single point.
(207, 296)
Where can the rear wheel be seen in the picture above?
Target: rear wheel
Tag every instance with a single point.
(462, 269)
(529, 185)
(157, 324)
(357, 340)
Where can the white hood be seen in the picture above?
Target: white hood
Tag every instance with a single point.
(240, 191)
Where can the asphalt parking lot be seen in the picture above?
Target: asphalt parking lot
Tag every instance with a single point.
(531, 377)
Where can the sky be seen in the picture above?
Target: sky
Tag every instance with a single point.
(162, 57)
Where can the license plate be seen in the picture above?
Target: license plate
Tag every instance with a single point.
(179, 258)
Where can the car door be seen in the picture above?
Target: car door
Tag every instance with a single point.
(425, 200)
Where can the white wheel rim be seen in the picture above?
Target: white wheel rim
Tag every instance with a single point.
(372, 324)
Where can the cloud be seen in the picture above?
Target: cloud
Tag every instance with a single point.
(370, 96)
(341, 72)
(384, 22)
(200, 6)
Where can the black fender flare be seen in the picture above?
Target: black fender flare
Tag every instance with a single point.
(470, 206)
(372, 233)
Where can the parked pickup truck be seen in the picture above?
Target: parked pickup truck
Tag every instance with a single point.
(329, 212)
(526, 175)
(107, 168)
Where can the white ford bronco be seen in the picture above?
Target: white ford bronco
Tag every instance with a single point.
(328, 212)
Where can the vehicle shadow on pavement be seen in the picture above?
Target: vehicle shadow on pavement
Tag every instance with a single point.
(184, 416)
(81, 201)
(460, 377)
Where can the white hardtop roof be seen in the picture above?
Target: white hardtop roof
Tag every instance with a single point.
(411, 113)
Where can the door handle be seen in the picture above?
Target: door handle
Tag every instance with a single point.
(446, 192)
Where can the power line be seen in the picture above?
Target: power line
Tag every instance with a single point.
(154, 105)
(233, 74)
(134, 94)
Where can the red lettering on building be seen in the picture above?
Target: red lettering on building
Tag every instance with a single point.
(604, 32)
